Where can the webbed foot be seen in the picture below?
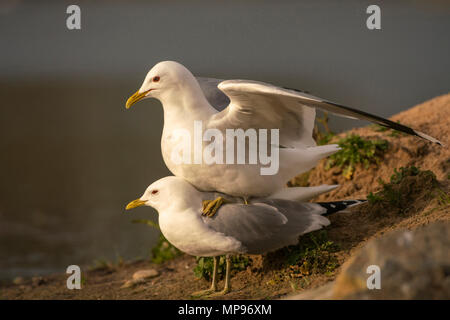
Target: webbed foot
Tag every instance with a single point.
(203, 293)
(210, 207)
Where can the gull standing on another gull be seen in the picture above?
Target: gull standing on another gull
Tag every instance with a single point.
(264, 225)
(252, 105)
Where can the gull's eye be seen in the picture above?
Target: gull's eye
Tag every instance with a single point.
(155, 192)
(156, 79)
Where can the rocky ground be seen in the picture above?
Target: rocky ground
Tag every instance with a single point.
(335, 267)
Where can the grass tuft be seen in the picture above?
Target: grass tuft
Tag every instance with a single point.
(393, 133)
(356, 150)
(205, 265)
(314, 254)
(404, 187)
(164, 251)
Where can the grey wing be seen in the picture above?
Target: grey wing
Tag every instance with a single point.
(213, 94)
(303, 217)
(256, 104)
(261, 227)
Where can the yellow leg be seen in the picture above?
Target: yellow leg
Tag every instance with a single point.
(213, 288)
(210, 207)
(227, 287)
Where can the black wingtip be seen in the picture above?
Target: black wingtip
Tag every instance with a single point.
(385, 122)
(336, 206)
(427, 137)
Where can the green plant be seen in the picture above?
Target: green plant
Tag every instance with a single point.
(164, 251)
(150, 223)
(373, 198)
(404, 172)
(302, 180)
(391, 191)
(205, 265)
(378, 128)
(315, 253)
(443, 198)
(405, 184)
(393, 133)
(325, 136)
(356, 150)
(102, 264)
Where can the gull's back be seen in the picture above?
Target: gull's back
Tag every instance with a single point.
(267, 225)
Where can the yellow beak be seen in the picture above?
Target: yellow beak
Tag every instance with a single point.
(135, 203)
(135, 98)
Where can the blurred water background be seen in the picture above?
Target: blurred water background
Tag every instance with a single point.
(71, 155)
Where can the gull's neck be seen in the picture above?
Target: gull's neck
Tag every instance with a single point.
(186, 102)
(189, 197)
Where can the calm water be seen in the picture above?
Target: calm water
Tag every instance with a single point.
(71, 155)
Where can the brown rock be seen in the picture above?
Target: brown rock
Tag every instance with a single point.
(413, 265)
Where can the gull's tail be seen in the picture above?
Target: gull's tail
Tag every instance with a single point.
(302, 194)
(338, 206)
(294, 161)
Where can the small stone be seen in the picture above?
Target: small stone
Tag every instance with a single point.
(131, 283)
(145, 274)
(140, 277)
(18, 280)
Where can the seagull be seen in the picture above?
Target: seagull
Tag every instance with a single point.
(242, 104)
(261, 226)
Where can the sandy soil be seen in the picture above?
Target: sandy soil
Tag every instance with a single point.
(431, 117)
(350, 230)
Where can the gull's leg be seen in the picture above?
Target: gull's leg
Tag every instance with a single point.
(210, 207)
(246, 200)
(214, 276)
(213, 283)
(227, 287)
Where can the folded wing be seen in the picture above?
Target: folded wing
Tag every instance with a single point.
(263, 227)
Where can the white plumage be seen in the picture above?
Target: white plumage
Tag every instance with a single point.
(252, 105)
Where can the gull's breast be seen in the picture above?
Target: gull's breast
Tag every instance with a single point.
(187, 232)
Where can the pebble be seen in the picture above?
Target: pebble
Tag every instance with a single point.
(145, 274)
(140, 277)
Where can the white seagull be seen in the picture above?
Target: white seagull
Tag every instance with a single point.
(251, 104)
(263, 225)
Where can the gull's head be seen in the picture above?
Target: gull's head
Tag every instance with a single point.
(162, 81)
(165, 192)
